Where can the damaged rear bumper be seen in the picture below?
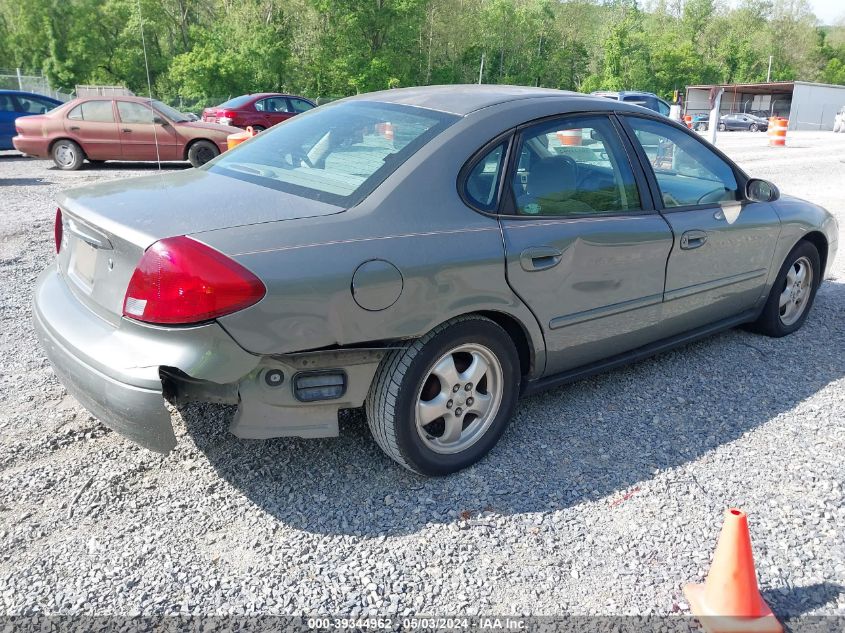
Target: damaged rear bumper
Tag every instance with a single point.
(114, 370)
(122, 372)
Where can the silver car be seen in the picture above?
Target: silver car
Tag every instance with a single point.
(430, 254)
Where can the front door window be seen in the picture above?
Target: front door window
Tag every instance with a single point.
(687, 172)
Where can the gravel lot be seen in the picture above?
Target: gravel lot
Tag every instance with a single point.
(603, 497)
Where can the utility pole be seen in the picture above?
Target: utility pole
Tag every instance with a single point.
(715, 108)
(481, 70)
(20, 79)
(769, 73)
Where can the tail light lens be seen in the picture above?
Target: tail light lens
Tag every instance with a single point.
(181, 281)
(58, 230)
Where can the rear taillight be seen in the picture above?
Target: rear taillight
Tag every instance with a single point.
(58, 230)
(181, 281)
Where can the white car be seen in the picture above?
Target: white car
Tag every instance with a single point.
(839, 121)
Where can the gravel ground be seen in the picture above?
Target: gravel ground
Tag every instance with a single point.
(604, 497)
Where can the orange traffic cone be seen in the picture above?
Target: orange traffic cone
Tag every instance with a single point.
(729, 600)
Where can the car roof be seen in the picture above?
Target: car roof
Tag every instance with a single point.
(617, 94)
(461, 99)
(262, 95)
(7, 91)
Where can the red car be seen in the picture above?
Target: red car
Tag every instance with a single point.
(258, 111)
(118, 128)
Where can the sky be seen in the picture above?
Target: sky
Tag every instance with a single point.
(828, 11)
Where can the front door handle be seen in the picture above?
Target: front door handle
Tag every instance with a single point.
(693, 239)
(74, 128)
(126, 129)
(539, 258)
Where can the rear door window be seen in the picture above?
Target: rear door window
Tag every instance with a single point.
(97, 111)
(272, 104)
(574, 167)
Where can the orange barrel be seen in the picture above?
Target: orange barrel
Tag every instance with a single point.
(777, 131)
(688, 120)
(569, 137)
(237, 138)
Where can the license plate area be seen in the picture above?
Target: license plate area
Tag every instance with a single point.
(83, 264)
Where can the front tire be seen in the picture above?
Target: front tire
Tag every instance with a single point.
(792, 294)
(754, 128)
(201, 152)
(67, 155)
(701, 127)
(440, 404)
(722, 127)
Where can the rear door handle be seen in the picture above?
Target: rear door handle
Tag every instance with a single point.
(539, 258)
(693, 239)
(126, 129)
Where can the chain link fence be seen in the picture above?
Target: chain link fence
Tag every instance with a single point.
(13, 79)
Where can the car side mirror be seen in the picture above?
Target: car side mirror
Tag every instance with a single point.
(759, 190)
(160, 120)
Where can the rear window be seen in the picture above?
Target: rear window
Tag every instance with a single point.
(336, 154)
(237, 102)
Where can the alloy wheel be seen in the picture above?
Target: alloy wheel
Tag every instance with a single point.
(797, 291)
(65, 154)
(459, 399)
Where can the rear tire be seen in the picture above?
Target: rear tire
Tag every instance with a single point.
(201, 152)
(701, 127)
(258, 128)
(475, 354)
(792, 294)
(67, 155)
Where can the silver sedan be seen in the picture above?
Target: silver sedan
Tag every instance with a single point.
(428, 253)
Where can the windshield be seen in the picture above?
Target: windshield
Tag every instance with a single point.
(336, 154)
(236, 102)
(171, 113)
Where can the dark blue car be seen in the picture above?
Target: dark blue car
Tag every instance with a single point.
(14, 103)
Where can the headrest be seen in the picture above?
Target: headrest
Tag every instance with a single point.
(553, 178)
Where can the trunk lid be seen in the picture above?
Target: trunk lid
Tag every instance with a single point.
(107, 227)
(209, 115)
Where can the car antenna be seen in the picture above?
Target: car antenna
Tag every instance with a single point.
(149, 84)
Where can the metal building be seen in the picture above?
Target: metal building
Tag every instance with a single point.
(808, 106)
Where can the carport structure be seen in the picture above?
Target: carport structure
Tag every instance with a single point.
(808, 106)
